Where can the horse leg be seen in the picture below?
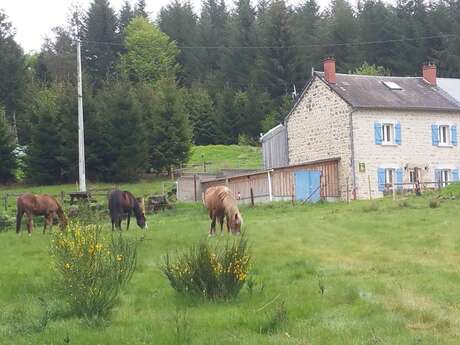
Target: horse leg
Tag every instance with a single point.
(128, 220)
(221, 220)
(120, 218)
(19, 215)
(48, 221)
(228, 224)
(213, 225)
(30, 223)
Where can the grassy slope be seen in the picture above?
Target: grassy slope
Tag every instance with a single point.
(391, 276)
(227, 156)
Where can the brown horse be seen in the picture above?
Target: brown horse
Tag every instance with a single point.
(221, 204)
(124, 203)
(39, 205)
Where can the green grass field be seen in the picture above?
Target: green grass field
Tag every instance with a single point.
(388, 273)
(227, 156)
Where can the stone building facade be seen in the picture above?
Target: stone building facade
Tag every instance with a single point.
(386, 131)
(319, 128)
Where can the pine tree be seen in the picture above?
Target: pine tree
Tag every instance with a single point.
(7, 147)
(202, 117)
(12, 67)
(43, 166)
(167, 124)
(377, 21)
(239, 62)
(101, 41)
(179, 22)
(212, 33)
(341, 27)
(276, 64)
(125, 16)
(140, 9)
(305, 25)
(122, 133)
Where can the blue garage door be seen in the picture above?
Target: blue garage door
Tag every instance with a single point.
(307, 185)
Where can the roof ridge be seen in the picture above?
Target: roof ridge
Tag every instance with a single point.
(373, 76)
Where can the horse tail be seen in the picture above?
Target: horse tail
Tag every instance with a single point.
(62, 216)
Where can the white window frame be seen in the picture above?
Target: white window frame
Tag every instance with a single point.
(390, 176)
(445, 177)
(388, 128)
(444, 133)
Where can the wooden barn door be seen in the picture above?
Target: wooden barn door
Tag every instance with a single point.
(307, 185)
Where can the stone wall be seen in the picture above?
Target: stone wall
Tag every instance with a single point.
(416, 147)
(319, 128)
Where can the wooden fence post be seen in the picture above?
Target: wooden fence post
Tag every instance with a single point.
(369, 182)
(394, 191)
(5, 198)
(252, 197)
(62, 197)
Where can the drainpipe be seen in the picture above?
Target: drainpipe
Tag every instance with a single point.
(352, 158)
(270, 193)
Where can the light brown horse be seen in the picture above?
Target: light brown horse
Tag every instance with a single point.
(39, 205)
(221, 204)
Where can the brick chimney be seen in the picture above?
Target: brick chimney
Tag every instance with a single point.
(329, 70)
(429, 73)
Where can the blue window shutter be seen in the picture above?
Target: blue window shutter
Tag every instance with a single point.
(378, 133)
(455, 175)
(381, 179)
(398, 133)
(434, 135)
(399, 178)
(453, 135)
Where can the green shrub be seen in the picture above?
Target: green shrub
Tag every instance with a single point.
(6, 222)
(371, 207)
(434, 203)
(214, 273)
(404, 203)
(92, 267)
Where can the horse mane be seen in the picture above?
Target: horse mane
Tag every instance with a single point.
(136, 207)
(229, 202)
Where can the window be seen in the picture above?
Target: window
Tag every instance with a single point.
(444, 135)
(444, 177)
(387, 133)
(392, 85)
(414, 175)
(389, 176)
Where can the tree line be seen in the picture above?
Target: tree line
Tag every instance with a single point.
(155, 86)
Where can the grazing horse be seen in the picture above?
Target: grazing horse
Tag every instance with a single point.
(220, 204)
(41, 205)
(121, 203)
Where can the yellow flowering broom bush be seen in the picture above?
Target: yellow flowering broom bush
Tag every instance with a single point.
(92, 267)
(215, 273)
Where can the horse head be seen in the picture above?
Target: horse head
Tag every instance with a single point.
(236, 222)
(140, 216)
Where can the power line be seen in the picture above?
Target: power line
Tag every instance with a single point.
(319, 45)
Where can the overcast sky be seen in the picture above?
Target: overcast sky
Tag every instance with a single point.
(34, 19)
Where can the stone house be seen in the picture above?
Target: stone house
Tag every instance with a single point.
(384, 130)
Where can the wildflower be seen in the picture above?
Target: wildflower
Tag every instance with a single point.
(67, 265)
(119, 257)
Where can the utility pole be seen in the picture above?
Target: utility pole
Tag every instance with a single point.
(81, 130)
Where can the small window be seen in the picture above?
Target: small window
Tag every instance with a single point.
(392, 85)
(389, 176)
(415, 175)
(444, 135)
(387, 133)
(444, 179)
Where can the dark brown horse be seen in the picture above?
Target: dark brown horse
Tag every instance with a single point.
(124, 203)
(221, 204)
(39, 205)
